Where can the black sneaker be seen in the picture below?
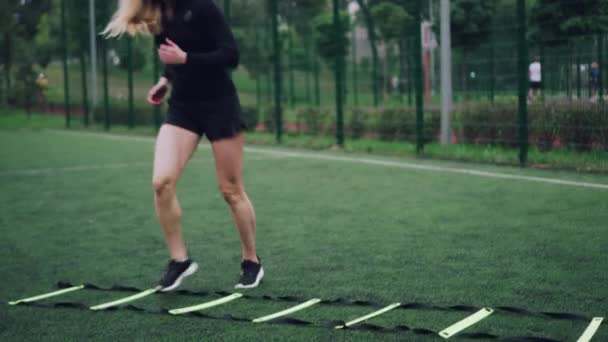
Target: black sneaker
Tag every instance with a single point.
(251, 274)
(175, 274)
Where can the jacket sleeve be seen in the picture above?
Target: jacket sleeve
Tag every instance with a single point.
(226, 54)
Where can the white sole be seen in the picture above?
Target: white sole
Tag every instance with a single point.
(254, 285)
(188, 272)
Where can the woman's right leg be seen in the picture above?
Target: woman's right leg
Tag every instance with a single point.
(174, 147)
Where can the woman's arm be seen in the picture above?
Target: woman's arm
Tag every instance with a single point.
(167, 69)
(227, 53)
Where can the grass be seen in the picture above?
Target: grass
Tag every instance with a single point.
(595, 161)
(325, 229)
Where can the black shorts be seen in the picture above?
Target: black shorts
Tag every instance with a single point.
(536, 85)
(218, 119)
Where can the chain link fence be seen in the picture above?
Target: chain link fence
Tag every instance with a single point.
(354, 71)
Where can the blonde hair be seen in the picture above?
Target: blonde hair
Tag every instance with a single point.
(134, 17)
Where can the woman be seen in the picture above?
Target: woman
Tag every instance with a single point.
(198, 49)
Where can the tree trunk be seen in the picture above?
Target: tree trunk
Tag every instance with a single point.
(371, 31)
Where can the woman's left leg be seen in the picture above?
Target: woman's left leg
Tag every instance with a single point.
(228, 155)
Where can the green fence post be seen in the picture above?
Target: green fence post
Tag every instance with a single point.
(106, 88)
(66, 81)
(600, 61)
(83, 79)
(7, 65)
(131, 118)
(278, 87)
(292, 90)
(156, 76)
(523, 58)
(579, 84)
(268, 45)
(339, 77)
(317, 71)
(603, 73)
(307, 72)
(492, 67)
(417, 52)
(410, 79)
(568, 79)
(354, 62)
(258, 85)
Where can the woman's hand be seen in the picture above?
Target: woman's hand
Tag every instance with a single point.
(170, 53)
(157, 93)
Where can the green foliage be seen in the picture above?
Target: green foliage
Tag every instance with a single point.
(399, 123)
(358, 123)
(43, 42)
(392, 20)
(18, 55)
(553, 22)
(471, 22)
(580, 126)
(396, 123)
(313, 120)
(269, 119)
(141, 52)
(254, 58)
(251, 117)
(487, 124)
(301, 12)
(330, 44)
(119, 115)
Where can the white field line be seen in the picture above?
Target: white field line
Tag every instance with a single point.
(34, 172)
(94, 167)
(424, 167)
(379, 162)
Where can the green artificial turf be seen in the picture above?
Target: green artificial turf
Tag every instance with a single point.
(78, 207)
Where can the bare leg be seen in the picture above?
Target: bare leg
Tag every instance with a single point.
(229, 168)
(174, 147)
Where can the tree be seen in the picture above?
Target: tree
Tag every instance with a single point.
(247, 16)
(394, 24)
(558, 20)
(471, 25)
(44, 43)
(19, 27)
(562, 23)
(325, 37)
(368, 18)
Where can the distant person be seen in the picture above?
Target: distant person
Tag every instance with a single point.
(535, 77)
(198, 50)
(594, 79)
(395, 84)
(42, 83)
